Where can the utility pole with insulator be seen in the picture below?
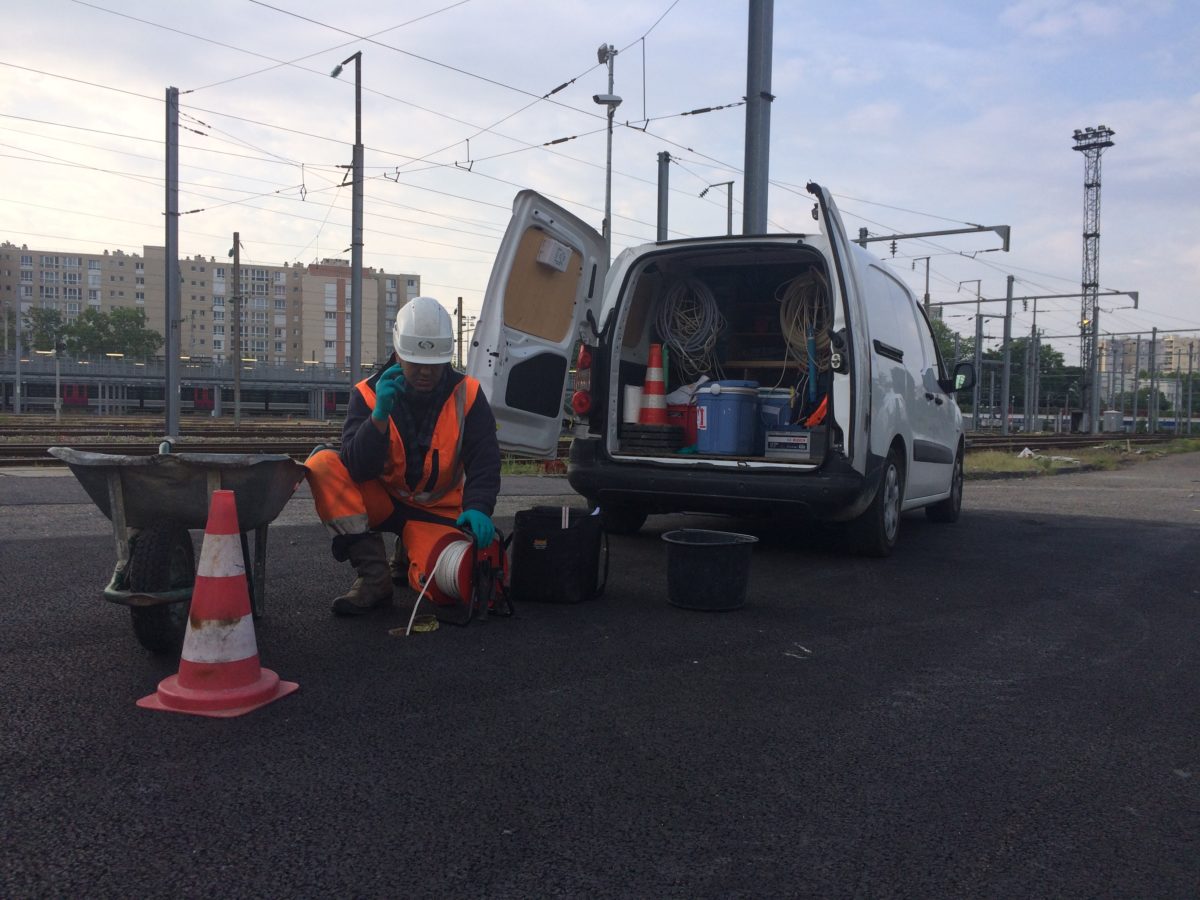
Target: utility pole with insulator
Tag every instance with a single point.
(235, 300)
(1091, 142)
(171, 273)
(461, 361)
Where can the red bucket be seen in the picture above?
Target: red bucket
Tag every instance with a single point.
(683, 415)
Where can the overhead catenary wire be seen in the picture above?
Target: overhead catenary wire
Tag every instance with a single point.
(301, 133)
(868, 202)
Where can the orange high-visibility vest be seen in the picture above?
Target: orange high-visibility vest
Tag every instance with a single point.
(445, 447)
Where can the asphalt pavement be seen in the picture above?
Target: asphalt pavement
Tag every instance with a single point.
(1006, 707)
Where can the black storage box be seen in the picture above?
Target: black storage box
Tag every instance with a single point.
(553, 564)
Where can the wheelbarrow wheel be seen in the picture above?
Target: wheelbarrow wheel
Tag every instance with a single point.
(162, 558)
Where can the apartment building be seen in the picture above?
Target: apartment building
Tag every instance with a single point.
(290, 314)
(1172, 353)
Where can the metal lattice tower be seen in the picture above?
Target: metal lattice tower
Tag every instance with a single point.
(1091, 142)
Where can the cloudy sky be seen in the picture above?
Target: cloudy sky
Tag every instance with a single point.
(919, 116)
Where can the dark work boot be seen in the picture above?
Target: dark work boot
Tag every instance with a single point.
(399, 564)
(373, 586)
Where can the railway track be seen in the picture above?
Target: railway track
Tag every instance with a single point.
(298, 444)
(14, 454)
(1017, 442)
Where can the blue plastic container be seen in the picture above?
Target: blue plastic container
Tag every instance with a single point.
(727, 417)
(774, 410)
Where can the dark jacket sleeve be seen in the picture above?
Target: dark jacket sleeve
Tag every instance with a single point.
(364, 450)
(480, 458)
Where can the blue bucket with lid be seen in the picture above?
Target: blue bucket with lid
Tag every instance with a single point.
(727, 417)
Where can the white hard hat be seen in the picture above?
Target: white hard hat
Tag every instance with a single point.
(423, 333)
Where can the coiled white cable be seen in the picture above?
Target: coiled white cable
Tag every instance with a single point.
(804, 310)
(689, 323)
(445, 573)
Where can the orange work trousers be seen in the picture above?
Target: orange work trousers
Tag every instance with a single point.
(346, 507)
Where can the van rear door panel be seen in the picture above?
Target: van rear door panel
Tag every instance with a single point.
(851, 388)
(549, 273)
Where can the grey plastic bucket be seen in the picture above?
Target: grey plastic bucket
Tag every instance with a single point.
(708, 569)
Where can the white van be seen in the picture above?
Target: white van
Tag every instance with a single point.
(830, 358)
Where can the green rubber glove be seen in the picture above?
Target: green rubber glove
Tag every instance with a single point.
(389, 387)
(481, 526)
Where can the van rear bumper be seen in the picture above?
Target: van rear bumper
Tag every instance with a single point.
(834, 492)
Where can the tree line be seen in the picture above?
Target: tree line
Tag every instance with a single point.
(1061, 384)
(90, 335)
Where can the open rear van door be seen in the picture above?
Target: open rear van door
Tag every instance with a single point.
(851, 389)
(548, 275)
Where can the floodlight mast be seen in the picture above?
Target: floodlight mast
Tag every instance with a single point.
(1091, 142)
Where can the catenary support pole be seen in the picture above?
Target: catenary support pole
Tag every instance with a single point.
(1190, 386)
(1137, 378)
(17, 360)
(461, 363)
(57, 380)
(235, 299)
(607, 54)
(1006, 372)
(976, 396)
(925, 299)
(171, 274)
(1035, 373)
(664, 180)
(1178, 396)
(758, 116)
(729, 208)
(1152, 400)
(1093, 410)
(356, 245)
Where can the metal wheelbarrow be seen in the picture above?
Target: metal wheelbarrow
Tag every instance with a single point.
(153, 500)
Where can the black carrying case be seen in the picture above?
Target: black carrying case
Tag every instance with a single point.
(552, 564)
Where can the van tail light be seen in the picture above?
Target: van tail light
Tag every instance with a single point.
(581, 403)
(581, 398)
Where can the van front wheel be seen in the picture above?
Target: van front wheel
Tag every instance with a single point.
(947, 510)
(874, 533)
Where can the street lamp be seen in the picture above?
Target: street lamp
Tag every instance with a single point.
(356, 239)
(728, 185)
(606, 54)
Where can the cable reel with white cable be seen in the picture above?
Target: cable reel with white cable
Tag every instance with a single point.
(805, 320)
(465, 581)
(689, 323)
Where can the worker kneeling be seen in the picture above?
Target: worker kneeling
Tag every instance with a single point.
(418, 458)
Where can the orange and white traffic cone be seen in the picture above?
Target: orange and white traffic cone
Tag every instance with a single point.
(219, 673)
(654, 391)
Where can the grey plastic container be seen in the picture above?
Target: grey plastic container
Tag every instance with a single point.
(708, 570)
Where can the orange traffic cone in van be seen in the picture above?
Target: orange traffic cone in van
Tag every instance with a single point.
(654, 391)
(219, 674)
